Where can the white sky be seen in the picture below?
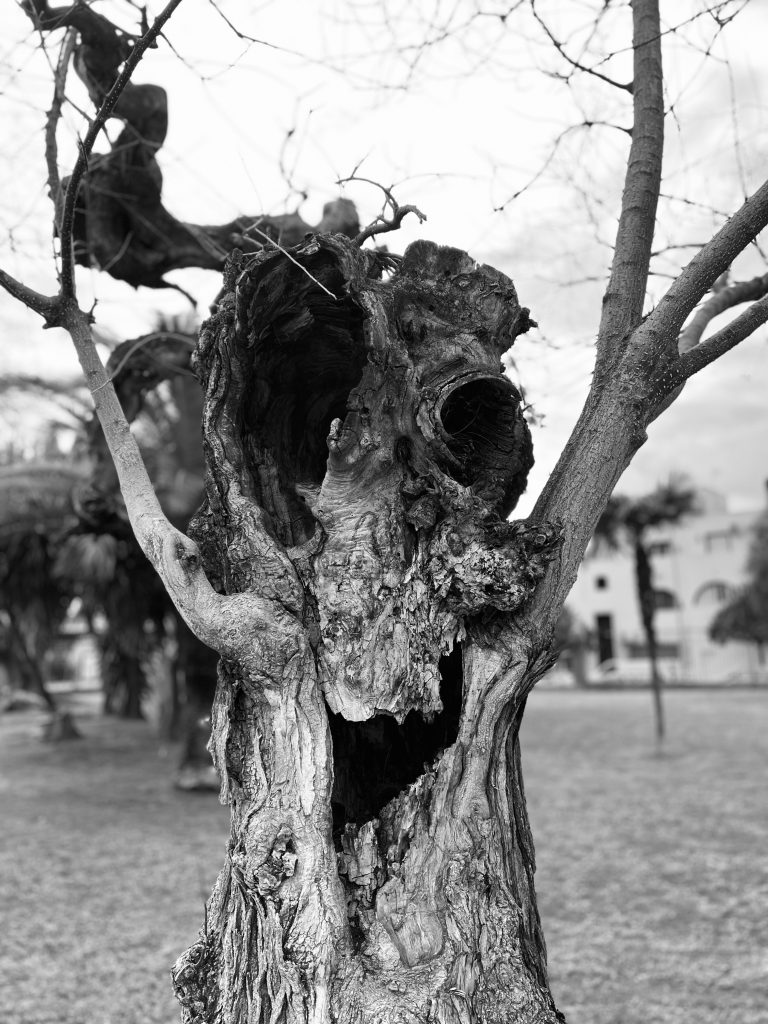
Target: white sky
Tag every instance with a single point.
(459, 135)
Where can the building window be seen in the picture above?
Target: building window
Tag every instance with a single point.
(660, 547)
(601, 583)
(664, 599)
(604, 630)
(715, 592)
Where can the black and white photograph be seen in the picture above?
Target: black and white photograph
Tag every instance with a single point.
(384, 512)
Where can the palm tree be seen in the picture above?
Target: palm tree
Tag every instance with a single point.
(630, 520)
(745, 616)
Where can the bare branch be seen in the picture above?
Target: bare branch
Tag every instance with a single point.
(222, 622)
(383, 224)
(723, 341)
(625, 294)
(714, 259)
(46, 305)
(575, 64)
(553, 153)
(104, 112)
(669, 386)
(51, 124)
(723, 298)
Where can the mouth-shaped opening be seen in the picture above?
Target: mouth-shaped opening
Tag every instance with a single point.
(478, 420)
(377, 759)
(308, 354)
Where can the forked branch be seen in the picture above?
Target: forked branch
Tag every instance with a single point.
(707, 265)
(739, 329)
(576, 64)
(722, 299)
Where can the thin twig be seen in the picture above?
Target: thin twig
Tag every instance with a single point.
(553, 153)
(383, 224)
(51, 123)
(85, 147)
(285, 252)
(575, 64)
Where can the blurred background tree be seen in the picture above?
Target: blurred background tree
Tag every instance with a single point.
(745, 617)
(628, 521)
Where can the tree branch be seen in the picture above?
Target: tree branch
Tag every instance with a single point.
(45, 305)
(105, 111)
(706, 266)
(383, 224)
(723, 298)
(51, 124)
(625, 294)
(575, 64)
(722, 341)
(224, 623)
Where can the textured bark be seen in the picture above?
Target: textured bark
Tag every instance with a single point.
(363, 449)
(370, 598)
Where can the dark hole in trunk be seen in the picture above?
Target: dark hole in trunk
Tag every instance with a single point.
(377, 759)
(479, 421)
(487, 441)
(308, 354)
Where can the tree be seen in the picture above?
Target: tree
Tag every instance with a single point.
(745, 616)
(633, 518)
(380, 622)
(78, 519)
(35, 511)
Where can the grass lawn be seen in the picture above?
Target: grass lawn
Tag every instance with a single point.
(652, 871)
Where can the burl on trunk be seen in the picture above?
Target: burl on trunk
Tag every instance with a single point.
(363, 450)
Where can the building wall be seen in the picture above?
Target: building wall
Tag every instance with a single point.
(698, 563)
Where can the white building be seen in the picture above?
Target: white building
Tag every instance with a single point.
(697, 565)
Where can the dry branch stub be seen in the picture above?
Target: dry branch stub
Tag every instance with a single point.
(363, 448)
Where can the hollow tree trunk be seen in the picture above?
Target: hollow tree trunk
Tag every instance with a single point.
(363, 450)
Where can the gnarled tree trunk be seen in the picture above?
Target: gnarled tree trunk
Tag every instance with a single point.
(363, 451)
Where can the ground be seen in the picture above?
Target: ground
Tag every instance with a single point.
(652, 874)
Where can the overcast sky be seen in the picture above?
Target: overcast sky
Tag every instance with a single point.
(459, 126)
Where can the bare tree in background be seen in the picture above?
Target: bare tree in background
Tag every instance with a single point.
(379, 620)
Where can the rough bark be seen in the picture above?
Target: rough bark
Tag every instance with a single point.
(363, 449)
(369, 597)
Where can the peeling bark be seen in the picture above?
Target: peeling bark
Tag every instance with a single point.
(363, 449)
